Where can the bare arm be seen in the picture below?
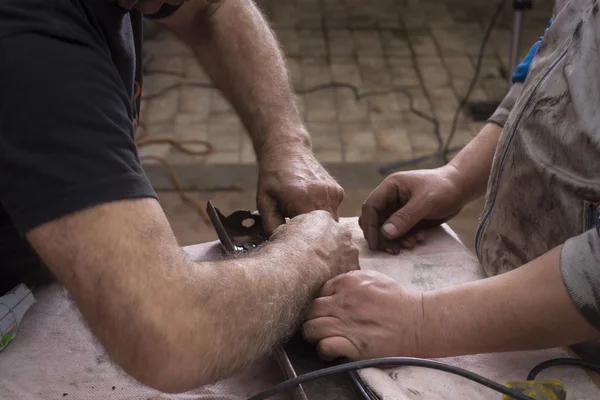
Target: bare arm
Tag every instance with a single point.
(474, 162)
(174, 324)
(528, 308)
(525, 309)
(233, 42)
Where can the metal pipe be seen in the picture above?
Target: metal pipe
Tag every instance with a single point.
(515, 44)
(290, 373)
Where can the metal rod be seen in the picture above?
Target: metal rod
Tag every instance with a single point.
(515, 44)
(288, 369)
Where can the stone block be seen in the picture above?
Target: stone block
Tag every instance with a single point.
(395, 43)
(341, 42)
(195, 101)
(368, 42)
(422, 43)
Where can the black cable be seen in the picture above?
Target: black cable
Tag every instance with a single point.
(386, 363)
(561, 362)
(478, 65)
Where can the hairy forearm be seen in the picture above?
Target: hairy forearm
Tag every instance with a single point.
(474, 162)
(238, 50)
(527, 308)
(232, 312)
(172, 323)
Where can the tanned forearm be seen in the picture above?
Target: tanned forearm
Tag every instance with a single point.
(474, 162)
(233, 42)
(171, 323)
(528, 308)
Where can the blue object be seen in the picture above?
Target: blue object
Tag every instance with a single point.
(523, 68)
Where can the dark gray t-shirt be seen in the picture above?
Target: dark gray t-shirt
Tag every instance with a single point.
(70, 83)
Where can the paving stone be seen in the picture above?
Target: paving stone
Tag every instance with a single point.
(345, 69)
(288, 39)
(422, 43)
(413, 16)
(173, 64)
(403, 71)
(219, 104)
(187, 128)
(462, 85)
(311, 42)
(315, 71)
(495, 88)
(433, 72)
(374, 73)
(148, 153)
(421, 135)
(195, 101)
(444, 103)
(155, 84)
(420, 100)
(320, 106)
(461, 40)
(193, 70)
(309, 17)
(459, 67)
(284, 15)
(368, 42)
(349, 109)
(223, 157)
(325, 137)
(162, 109)
(359, 142)
(340, 42)
(166, 45)
(329, 156)
(385, 107)
(392, 144)
(438, 15)
(295, 71)
(395, 43)
(247, 155)
(490, 68)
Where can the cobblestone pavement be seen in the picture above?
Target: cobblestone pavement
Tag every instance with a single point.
(425, 48)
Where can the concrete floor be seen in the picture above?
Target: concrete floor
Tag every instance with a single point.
(190, 228)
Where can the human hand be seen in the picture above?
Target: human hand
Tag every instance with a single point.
(363, 315)
(406, 203)
(326, 243)
(291, 182)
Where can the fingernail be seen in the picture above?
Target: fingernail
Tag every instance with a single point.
(389, 251)
(390, 229)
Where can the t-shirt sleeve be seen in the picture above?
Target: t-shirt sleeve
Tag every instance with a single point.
(580, 269)
(66, 131)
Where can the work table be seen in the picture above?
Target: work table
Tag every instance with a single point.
(55, 356)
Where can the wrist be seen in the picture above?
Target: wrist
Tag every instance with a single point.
(430, 335)
(282, 142)
(456, 178)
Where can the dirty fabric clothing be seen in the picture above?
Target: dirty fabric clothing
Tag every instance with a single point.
(69, 100)
(544, 187)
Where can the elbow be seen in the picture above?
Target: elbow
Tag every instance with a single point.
(168, 372)
(175, 367)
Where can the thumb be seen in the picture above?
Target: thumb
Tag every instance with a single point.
(271, 218)
(404, 219)
(336, 347)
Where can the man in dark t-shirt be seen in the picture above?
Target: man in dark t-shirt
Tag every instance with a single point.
(73, 193)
